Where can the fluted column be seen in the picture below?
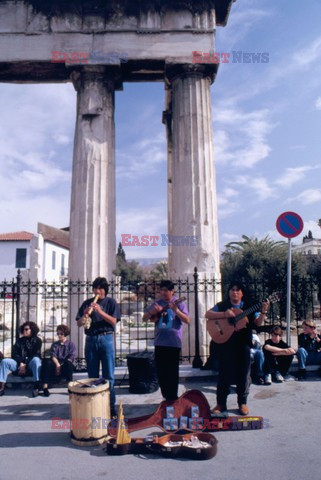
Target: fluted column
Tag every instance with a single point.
(92, 215)
(192, 198)
(92, 212)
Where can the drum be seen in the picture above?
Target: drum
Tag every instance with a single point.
(142, 372)
(89, 412)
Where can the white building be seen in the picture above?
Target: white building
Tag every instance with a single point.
(14, 253)
(49, 254)
(309, 246)
(41, 256)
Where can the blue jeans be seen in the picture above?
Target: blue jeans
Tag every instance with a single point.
(100, 348)
(9, 365)
(258, 357)
(308, 358)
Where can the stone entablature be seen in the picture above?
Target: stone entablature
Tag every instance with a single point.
(151, 32)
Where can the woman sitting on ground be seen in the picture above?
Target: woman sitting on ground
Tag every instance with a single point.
(26, 357)
(60, 364)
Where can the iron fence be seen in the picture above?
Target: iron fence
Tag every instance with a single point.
(52, 303)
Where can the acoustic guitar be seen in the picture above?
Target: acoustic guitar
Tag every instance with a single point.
(221, 329)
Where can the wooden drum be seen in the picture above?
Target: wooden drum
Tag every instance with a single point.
(89, 412)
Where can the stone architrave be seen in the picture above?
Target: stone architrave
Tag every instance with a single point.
(193, 225)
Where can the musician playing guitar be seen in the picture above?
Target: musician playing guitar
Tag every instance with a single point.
(168, 313)
(234, 361)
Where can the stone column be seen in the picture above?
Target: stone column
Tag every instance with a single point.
(192, 203)
(92, 214)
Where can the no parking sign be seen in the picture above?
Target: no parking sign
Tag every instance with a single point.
(289, 224)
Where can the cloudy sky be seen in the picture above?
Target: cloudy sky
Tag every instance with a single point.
(267, 131)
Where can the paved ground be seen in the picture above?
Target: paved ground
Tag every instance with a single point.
(289, 448)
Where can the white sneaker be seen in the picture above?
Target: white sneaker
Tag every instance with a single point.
(268, 379)
(278, 377)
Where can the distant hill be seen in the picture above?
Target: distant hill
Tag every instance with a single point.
(148, 261)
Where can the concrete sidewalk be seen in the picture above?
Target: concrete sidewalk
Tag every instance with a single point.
(289, 447)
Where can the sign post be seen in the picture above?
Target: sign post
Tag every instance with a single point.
(289, 225)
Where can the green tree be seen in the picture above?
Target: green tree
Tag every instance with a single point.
(261, 265)
(159, 272)
(129, 271)
(121, 252)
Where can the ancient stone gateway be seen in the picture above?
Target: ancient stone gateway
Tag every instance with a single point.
(150, 40)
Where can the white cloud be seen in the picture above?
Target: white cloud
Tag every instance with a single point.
(258, 184)
(243, 143)
(221, 147)
(61, 139)
(243, 18)
(35, 166)
(294, 175)
(261, 188)
(142, 158)
(318, 103)
(307, 55)
(226, 205)
(309, 196)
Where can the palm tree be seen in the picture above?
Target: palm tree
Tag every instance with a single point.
(253, 243)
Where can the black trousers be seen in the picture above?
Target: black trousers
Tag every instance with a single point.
(276, 363)
(167, 366)
(234, 367)
(49, 369)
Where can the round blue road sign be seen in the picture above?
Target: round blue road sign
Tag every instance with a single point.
(289, 224)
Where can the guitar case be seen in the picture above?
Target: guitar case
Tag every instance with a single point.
(182, 407)
(171, 445)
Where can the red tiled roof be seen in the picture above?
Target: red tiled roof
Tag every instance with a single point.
(54, 235)
(22, 236)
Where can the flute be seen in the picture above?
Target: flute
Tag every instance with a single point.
(87, 319)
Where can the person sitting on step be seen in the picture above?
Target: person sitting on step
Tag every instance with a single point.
(60, 363)
(26, 357)
(278, 357)
(309, 351)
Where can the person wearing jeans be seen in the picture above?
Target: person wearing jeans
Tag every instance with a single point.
(26, 357)
(309, 351)
(257, 359)
(99, 348)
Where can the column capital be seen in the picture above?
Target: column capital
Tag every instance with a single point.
(108, 75)
(176, 70)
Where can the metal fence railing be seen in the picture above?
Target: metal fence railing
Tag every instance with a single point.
(52, 303)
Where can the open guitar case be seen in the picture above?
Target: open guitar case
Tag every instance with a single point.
(206, 422)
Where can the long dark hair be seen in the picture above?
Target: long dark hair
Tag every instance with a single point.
(33, 327)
